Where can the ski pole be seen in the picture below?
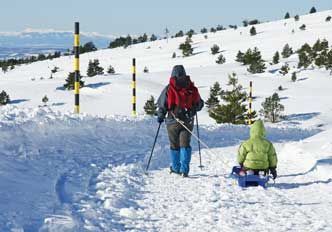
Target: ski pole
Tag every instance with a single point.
(154, 144)
(199, 144)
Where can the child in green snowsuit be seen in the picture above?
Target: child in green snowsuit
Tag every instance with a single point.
(257, 153)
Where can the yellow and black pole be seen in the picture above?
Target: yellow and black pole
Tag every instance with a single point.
(77, 67)
(134, 87)
(250, 104)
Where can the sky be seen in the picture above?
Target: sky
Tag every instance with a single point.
(122, 17)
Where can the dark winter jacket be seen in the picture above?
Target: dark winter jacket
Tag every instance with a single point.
(182, 79)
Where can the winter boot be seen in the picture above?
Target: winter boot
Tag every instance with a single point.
(175, 157)
(185, 157)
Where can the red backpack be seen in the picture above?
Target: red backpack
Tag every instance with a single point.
(182, 97)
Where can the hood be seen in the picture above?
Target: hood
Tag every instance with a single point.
(257, 130)
(180, 76)
(178, 71)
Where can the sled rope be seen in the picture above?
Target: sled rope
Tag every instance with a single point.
(198, 139)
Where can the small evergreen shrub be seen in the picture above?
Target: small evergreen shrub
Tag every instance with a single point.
(150, 106)
(111, 70)
(70, 81)
(215, 49)
(272, 108)
(4, 98)
(221, 59)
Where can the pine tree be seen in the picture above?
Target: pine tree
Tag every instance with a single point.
(91, 70)
(321, 58)
(253, 31)
(272, 108)
(213, 30)
(248, 57)
(111, 70)
(303, 27)
(276, 58)
(215, 49)
(287, 51)
(320, 52)
(153, 37)
(186, 48)
(256, 62)
(174, 55)
(215, 93)
(220, 28)
(4, 98)
(284, 69)
(294, 77)
(328, 62)
(88, 47)
(304, 60)
(94, 68)
(306, 56)
(320, 49)
(150, 106)
(190, 33)
(287, 16)
(204, 30)
(70, 81)
(313, 10)
(234, 111)
(188, 40)
(99, 70)
(179, 34)
(257, 67)
(221, 59)
(4, 68)
(45, 100)
(240, 57)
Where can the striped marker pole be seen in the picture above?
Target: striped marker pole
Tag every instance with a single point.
(134, 87)
(77, 67)
(250, 104)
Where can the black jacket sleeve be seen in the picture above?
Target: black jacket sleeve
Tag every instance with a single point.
(200, 105)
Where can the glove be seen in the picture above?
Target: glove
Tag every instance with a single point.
(160, 120)
(273, 172)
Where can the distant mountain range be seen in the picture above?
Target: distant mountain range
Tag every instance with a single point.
(50, 38)
(31, 42)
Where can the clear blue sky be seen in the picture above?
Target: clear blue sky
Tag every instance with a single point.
(151, 16)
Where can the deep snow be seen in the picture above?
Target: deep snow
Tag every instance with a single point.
(66, 172)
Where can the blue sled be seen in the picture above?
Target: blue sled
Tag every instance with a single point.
(249, 180)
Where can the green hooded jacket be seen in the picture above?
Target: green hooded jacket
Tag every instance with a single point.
(257, 153)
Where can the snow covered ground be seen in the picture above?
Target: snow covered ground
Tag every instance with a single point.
(66, 172)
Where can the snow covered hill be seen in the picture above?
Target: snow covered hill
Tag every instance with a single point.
(66, 172)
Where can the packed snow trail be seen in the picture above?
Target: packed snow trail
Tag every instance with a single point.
(209, 201)
(63, 172)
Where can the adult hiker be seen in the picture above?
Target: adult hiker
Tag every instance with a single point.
(180, 100)
(258, 154)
